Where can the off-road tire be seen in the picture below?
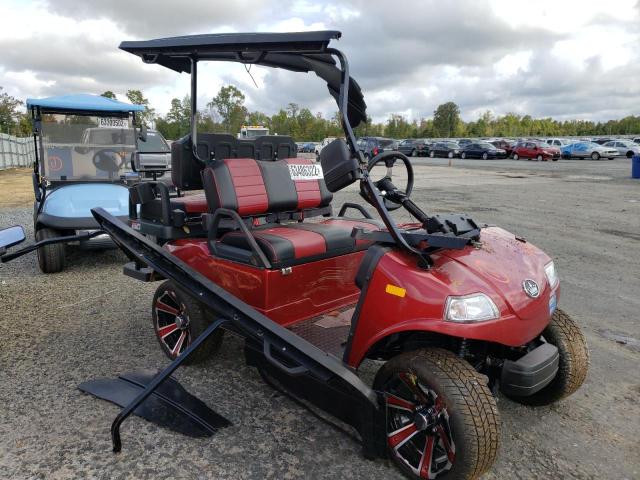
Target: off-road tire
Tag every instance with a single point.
(473, 413)
(199, 320)
(566, 335)
(51, 258)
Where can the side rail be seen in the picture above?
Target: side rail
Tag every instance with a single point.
(314, 375)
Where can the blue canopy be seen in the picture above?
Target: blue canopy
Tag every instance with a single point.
(83, 102)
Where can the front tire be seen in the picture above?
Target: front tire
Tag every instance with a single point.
(566, 335)
(51, 258)
(516, 156)
(485, 156)
(539, 158)
(462, 155)
(432, 154)
(595, 156)
(442, 420)
(450, 154)
(178, 320)
(414, 153)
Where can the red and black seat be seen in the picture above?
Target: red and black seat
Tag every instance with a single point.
(259, 189)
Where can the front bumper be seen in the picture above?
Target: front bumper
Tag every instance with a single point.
(531, 373)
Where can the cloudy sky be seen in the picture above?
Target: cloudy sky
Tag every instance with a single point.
(566, 59)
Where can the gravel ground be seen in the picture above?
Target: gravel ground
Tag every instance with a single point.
(91, 321)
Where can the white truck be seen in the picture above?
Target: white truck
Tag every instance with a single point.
(249, 132)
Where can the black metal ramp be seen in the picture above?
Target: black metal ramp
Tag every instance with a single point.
(170, 405)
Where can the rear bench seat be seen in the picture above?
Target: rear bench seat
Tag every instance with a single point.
(253, 188)
(186, 171)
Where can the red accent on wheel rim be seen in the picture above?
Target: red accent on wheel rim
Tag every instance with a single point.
(399, 437)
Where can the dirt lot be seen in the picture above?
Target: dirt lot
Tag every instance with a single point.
(91, 321)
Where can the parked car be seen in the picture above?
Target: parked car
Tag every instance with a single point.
(602, 141)
(464, 141)
(372, 146)
(413, 147)
(308, 147)
(624, 147)
(484, 150)
(444, 149)
(591, 150)
(505, 145)
(326, 141)
(535, 149)
(558, 142)
(636, 140)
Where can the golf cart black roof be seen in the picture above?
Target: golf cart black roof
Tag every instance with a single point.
(298, 52)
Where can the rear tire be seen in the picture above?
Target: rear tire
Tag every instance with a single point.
(539, 158)
(462, 155)
(432, 154)
(516, 157)
(566, 335)
(485, 156)
(450, 154)
(178, 320)
(51, 258)
(434, 388)
(595, 156)
(414, 153)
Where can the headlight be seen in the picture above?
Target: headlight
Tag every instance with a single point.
(470, 308)
(552, 276)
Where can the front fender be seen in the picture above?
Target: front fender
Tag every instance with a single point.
(402, 297)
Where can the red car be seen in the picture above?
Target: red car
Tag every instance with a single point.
(535, 149)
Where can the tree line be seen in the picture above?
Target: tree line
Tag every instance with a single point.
(226, 112)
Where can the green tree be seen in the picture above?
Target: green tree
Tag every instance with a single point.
(9, 114)
(136, 97)
(229, 102)
(446, 119)
(108, 94)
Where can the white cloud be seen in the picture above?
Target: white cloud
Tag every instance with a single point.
(566, 59)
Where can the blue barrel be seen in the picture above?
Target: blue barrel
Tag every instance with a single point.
(635, 166)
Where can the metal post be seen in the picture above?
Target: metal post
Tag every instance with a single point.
(156, 382)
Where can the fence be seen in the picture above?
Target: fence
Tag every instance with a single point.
(16, 151)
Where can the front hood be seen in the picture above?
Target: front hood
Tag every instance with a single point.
(77, 200)
(499, 267)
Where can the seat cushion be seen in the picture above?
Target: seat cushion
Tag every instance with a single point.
(297, 243)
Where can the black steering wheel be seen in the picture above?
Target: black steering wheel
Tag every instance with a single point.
(393, 197)
(108, 160)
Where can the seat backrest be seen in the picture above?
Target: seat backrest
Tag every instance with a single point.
(275, 147)
(185, 169)
(254, 188)
(245, 149)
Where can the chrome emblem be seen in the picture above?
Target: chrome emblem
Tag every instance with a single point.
(531, 288)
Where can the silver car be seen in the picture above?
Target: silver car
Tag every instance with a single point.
(588, 150)
(625, 148)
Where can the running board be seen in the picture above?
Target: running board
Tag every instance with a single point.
(280, 349)
(170, 406)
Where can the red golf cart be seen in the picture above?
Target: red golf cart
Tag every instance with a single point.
(455, 310)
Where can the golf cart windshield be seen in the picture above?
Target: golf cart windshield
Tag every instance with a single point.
(85, 147)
